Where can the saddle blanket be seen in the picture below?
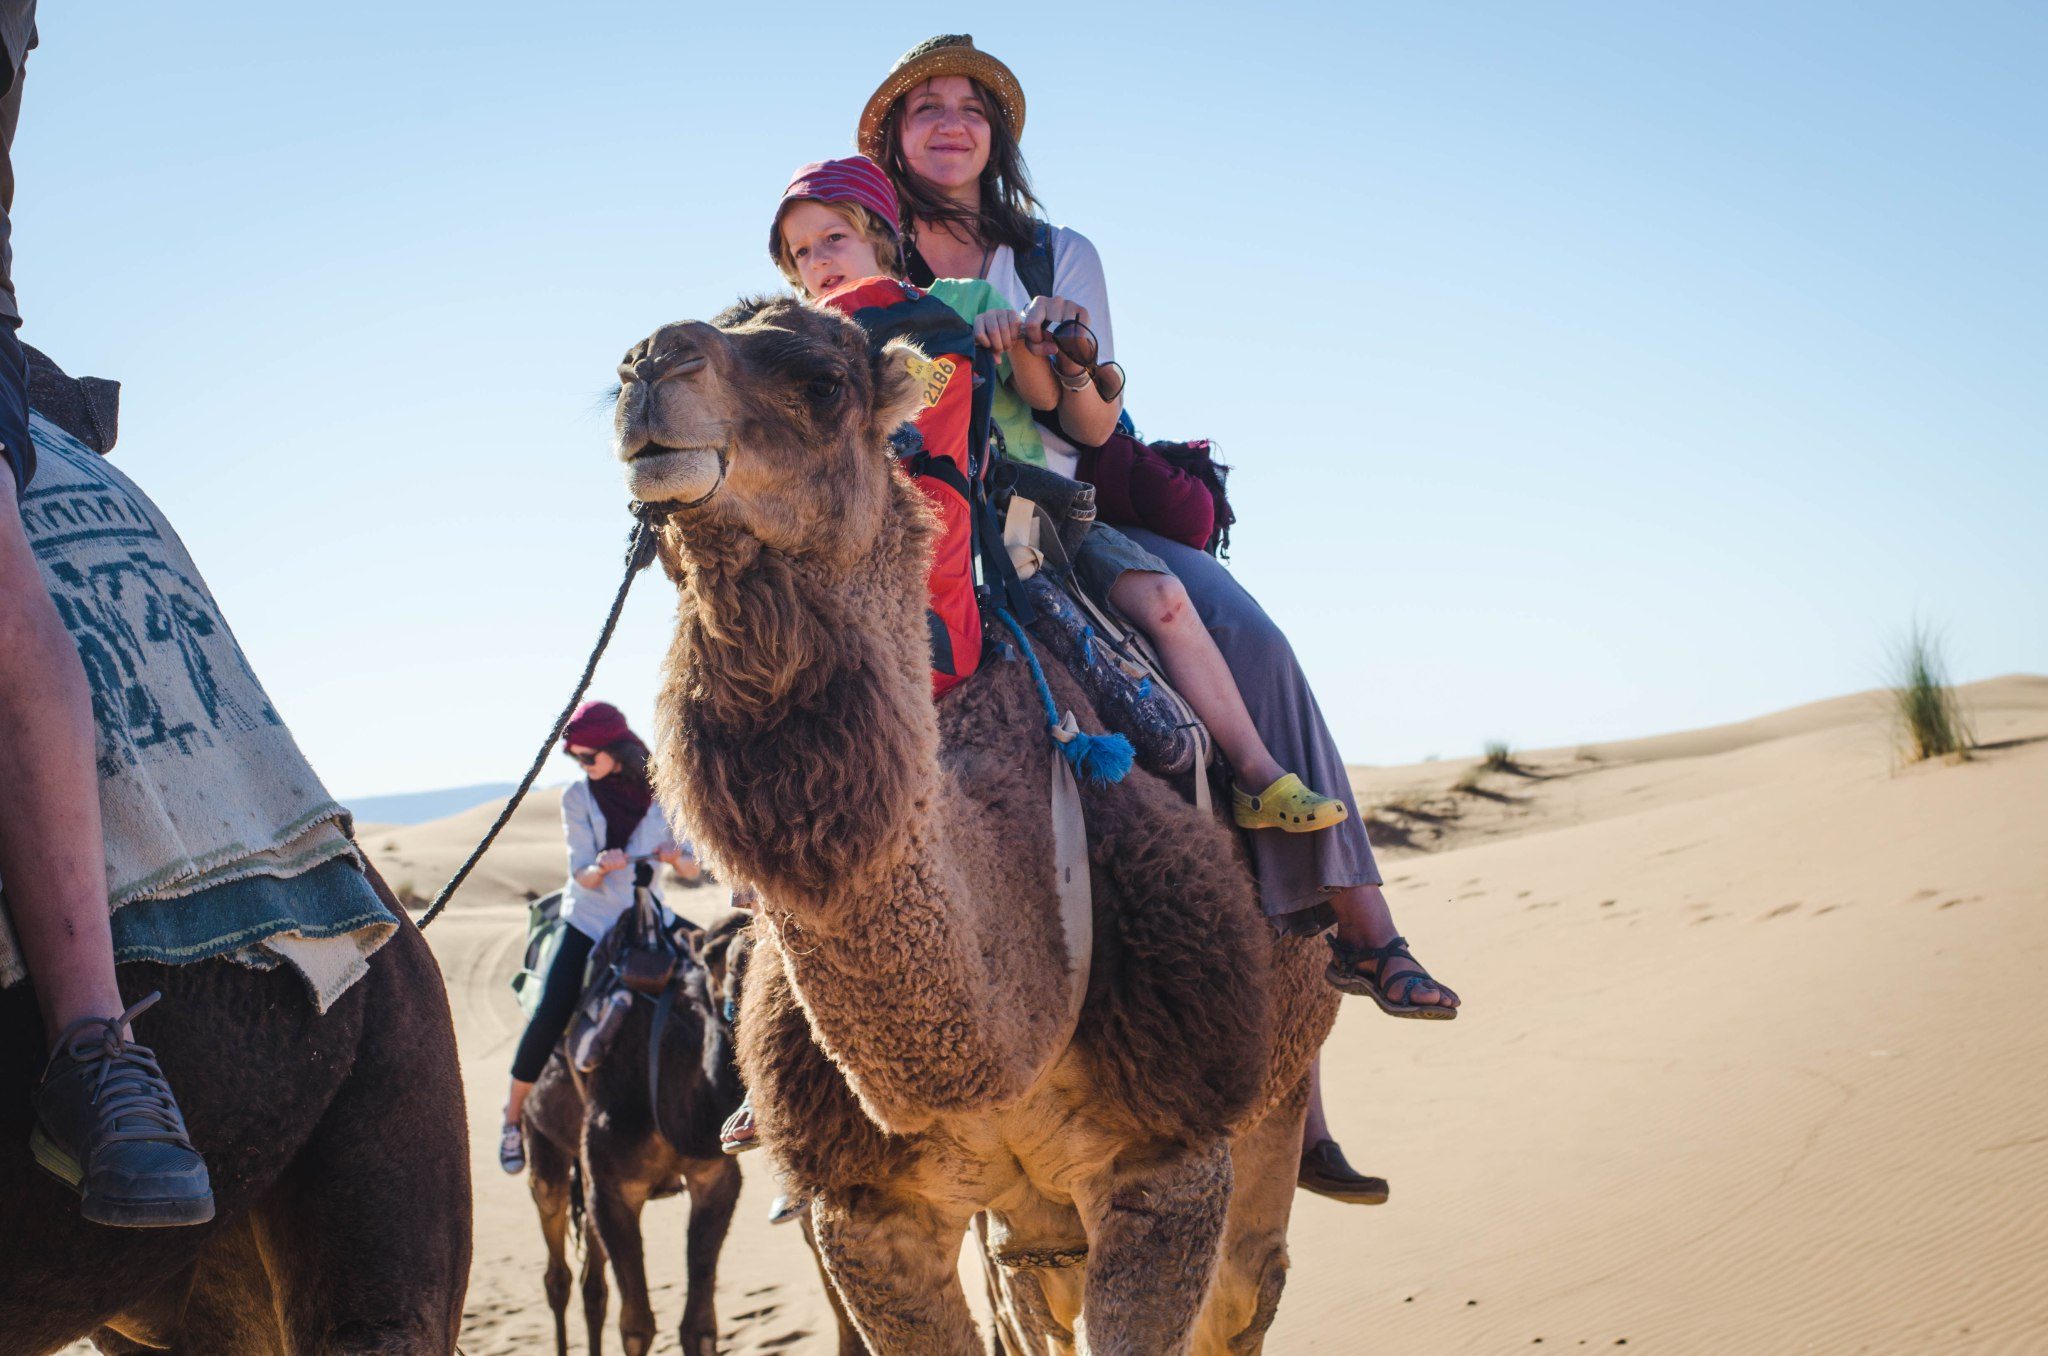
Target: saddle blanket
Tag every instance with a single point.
(208, 807)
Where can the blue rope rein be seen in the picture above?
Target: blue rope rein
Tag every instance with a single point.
(1098, 760)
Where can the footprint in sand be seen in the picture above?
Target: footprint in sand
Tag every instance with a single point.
(1782, 910)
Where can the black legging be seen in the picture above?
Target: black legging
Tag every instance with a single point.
(557, 1001)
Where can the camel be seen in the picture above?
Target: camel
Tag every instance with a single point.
(597, 1151)
(338, 1150)
(906, 1031)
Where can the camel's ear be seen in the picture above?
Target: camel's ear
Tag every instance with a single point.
(901, 373)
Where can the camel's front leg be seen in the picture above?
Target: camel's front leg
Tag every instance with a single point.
(547, 1177)
(596, 1294)
(615, 1210)
(1265, 1161)
(1153, 1233)
(896, 1263)
(714, 1191)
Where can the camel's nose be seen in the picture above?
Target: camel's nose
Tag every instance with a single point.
(671, 351)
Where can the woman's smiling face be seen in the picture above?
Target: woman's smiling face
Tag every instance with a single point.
(944, 132)
(826, 248)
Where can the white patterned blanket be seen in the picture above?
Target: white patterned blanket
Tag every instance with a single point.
(208, 805)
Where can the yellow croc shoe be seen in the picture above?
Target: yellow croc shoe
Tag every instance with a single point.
(1289, 806)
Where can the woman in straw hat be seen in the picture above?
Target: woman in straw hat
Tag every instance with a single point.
(945, 124)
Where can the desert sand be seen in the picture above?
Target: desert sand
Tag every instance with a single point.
(1751, 1058)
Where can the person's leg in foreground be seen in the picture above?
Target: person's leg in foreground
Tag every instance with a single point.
(106, 1121)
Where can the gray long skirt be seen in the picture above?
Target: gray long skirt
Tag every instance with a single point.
(1297, 872)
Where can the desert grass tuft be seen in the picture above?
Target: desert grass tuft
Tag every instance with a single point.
(1499, 757)
(1926, 713)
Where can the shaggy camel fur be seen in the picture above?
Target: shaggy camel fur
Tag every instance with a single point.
(905, 1032)
(338, 1150)
(597, 1138)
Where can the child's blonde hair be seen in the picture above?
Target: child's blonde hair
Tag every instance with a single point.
(872, 229)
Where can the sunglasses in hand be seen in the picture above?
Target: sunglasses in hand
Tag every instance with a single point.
(1078, 345)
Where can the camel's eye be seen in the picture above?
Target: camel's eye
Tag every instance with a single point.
(822, 389)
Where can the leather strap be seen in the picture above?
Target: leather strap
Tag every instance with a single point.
(662, 1007)
(1076, 890)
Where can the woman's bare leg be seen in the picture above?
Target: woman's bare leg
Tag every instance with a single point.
(1158, 604)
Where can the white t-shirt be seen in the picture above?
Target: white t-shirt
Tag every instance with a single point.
(1077, 277)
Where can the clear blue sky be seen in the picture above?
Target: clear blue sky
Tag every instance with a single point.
(1590, 369)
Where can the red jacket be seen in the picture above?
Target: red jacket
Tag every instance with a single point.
(887, 309)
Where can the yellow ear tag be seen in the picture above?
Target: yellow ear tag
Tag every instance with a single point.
(932, 376)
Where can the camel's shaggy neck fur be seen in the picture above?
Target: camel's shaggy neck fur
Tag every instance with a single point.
(800, 742)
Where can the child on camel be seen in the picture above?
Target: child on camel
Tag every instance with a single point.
(835, 238)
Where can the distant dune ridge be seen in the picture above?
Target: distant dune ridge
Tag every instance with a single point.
(417, 807)
(1750, 1059)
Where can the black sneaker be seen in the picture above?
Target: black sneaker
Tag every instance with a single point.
(108, 1127)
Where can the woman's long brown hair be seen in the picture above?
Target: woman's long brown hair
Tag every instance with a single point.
(1007, 202)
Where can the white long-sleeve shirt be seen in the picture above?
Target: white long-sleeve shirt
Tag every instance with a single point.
(593, 911)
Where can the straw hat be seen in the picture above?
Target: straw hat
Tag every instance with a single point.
(947, 54)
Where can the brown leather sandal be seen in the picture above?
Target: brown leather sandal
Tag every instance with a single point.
(1395, 996)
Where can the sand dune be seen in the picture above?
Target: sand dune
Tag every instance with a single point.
(1749, 1061)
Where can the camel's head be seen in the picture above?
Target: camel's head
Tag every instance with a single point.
(774, 418)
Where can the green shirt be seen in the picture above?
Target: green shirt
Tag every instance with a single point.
(972, 297)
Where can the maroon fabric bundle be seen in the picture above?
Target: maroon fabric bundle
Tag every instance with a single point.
(1137, 487)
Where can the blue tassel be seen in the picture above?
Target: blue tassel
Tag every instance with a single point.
(1099, 760)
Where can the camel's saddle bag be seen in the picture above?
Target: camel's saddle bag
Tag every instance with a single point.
(649, 965)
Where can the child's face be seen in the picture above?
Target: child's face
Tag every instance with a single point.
(826, 248)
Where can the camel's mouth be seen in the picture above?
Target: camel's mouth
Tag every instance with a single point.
(686, 475)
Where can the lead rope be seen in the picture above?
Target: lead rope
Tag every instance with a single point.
(639, 553)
